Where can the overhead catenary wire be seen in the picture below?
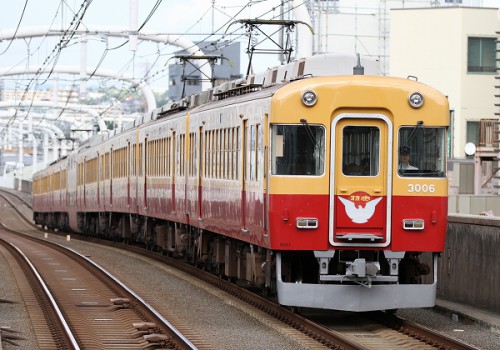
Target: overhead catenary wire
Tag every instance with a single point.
(232, 18)
(206, 40)
(104, 54)
(222, 41)
(151, 13)
(38, 48)
(145, 77)
(17, 27)
(50, 58)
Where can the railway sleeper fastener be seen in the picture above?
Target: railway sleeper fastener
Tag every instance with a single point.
(144, 326)
(120, 301)
(156, 338)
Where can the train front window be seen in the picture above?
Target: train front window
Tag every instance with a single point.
(360, 150)
(298, 149)
(421, 151)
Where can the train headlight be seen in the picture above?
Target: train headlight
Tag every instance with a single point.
(413, 224)
(416, 100)
(307, 223)
(309, 98)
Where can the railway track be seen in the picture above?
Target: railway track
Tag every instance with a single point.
(76, 304)
(379, 331)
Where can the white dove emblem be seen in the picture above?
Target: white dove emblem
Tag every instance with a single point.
(360, 215)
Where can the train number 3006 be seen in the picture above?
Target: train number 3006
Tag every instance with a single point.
(418, 188)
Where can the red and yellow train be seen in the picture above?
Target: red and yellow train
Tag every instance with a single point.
(294, 185)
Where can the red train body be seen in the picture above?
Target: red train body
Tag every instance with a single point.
(297, 187)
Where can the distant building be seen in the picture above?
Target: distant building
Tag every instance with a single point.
(454, 50)
(364, 26)
(63, 95)
(185, 80)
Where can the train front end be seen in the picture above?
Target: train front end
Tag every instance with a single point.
(357, 192)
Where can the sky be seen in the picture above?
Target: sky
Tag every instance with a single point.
(192, 20)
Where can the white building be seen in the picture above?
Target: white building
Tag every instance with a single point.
(364, 26)
(454, 50)
(448, 44)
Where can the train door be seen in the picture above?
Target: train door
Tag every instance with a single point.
(102, 177)
(134, 165)
(146, 170)
(98, 178)
(173, 160)
(111, 174)
(128, 169)
(246, 165)
(139, 172)
(360, 194)
(198, 158)
(265, 175)
(84, 179)
(51, 192)
(72, 182)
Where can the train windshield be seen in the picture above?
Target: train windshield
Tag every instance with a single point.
(421, 151)
(298, 150)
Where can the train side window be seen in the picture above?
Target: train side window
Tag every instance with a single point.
(298, 150)
(421, 151)
(360, 150)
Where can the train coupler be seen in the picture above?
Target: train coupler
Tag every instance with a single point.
(361, 268)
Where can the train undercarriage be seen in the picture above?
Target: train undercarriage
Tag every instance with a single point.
(355, 280)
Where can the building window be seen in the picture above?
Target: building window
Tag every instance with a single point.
(193, 81)
(473, 132)
(481, 55)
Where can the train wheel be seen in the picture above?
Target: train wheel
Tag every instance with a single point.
(296, 309)
(267, 292)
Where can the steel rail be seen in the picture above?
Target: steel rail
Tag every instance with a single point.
(164, 322)
(320, 333)
(173, 332)
(71, 342)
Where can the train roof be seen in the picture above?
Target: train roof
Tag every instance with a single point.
(252, 87)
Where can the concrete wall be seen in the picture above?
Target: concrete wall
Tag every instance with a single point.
(469, 268)
(16, 184)
(7, 182)
(26, 186)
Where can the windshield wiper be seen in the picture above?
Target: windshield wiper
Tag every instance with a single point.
(419, 124)
(310, 133)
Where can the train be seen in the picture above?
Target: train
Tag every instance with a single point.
(295, 181)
